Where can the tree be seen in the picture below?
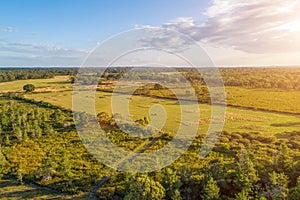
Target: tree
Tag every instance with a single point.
(82, 118)
(277, 188)
(211, 189)
(246, 175)
(171, 181)
(25, 158)
(3, 163)
(72, 79)
(66, 169)
(144, 188)
(294, 193)
(58, 116)
(47, 169)
(283, 160)
(158, 86)
(29, 88)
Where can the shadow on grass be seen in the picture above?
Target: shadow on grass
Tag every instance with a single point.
(59, 82)
(287, 124)
(11, 189)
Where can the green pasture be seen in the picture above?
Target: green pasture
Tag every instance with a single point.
(269, 99)
(57, 91)
(237, 120)
(54, 84)
(11, 189)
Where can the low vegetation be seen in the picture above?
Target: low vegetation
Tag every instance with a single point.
(255, 157)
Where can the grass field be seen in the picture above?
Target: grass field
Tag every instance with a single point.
(10, 189)
(269, 99)
(55, 84)
(58, 92)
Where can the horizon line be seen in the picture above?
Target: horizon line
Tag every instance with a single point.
(128, 66)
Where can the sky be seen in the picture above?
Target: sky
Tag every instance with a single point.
(232, 32)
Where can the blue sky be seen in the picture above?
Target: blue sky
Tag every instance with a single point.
(78, 23)
(63, 32)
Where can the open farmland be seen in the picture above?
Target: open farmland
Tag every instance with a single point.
(49, 152)
(237, 119)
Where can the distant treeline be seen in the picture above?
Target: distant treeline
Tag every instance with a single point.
(11, 74)
(281, 78)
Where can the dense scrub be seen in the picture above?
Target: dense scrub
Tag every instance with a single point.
(248, 165)
(39, 144)
(11, 74)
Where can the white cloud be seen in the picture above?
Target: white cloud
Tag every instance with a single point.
(7, 29)
(20, 53)
(167, 40)
(258, 26)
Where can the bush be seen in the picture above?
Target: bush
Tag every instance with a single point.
(29, 88)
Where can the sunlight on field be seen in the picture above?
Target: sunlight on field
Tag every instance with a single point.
(269, 99)
(10, 189)
(57, 83)
(58, 91)
(237, 120)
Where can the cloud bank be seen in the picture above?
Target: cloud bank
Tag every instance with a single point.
(257, 26)
(20, 53)
(7, 29)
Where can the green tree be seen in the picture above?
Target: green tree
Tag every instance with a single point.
(47, 128)
(144, 188)
(3, 163)
(171, 181)
(47, 169)
(29, 88)
(294, 193)
(246, 175)
(19, 134)
(283, 160)
(25, 158)
(158, 86)
(66, 169)
(277, 187)
(72, 79)
(58, 116)
(243, 195)
(82, 118)
(211, 190)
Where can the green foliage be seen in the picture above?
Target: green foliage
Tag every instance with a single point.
(21, 122)
(277, 187)
(247, 176)
(40, 145)
(58, 116)
(243, 195)
(211, 189)
(157, 86)
(294, 192)
(29, 88)
(72, 79)
(144, 187)
(171, 182)
(3, 164)
(283, 78)
(25, 159)
(9, 74)
(283, 160)
(47, 169)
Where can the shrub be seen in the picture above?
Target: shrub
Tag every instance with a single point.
(29, 88)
